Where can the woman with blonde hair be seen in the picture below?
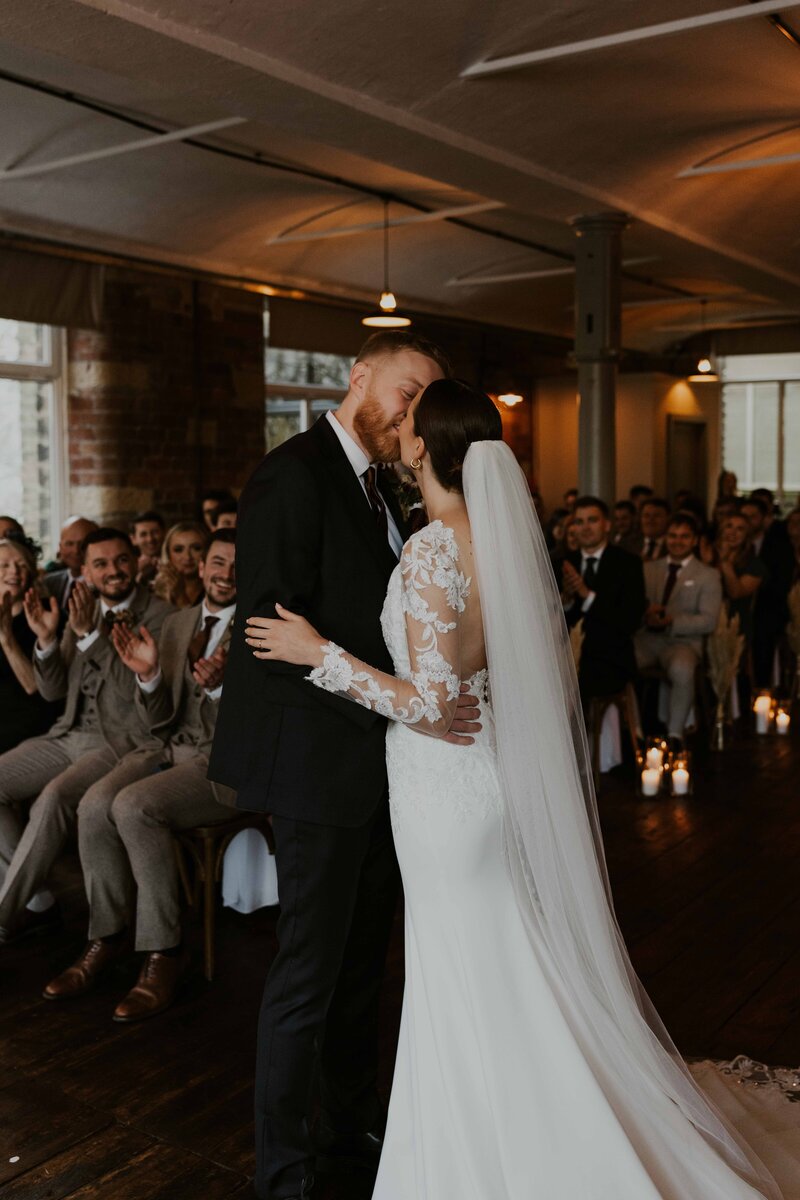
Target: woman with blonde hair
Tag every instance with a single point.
(178, 577)
(25, 713)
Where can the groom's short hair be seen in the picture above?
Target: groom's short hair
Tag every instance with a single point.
(393, 341)
(591, 502)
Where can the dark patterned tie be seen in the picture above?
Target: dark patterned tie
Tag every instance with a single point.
(199, 643)
(590, 573)
(670, 582)
(375, 498)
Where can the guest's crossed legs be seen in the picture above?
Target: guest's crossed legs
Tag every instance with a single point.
(338, 892)
(126, 845)
(50, 775)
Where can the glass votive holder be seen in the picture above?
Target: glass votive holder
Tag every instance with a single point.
(783, 719)
(762, 711)
(681, 775)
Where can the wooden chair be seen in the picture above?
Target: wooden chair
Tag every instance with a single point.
(626, 705)
(205, 846)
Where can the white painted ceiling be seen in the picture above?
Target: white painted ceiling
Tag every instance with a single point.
(372, 94)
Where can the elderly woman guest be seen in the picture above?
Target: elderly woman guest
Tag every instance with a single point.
(178, 578)
(25, 713)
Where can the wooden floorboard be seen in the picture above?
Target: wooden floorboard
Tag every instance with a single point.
(707, 893)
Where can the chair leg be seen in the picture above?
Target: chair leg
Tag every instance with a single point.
(209, 899)
(631, 717)
(180, 859)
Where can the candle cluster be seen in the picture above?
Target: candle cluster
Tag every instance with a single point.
(771, 715)
(659, 770)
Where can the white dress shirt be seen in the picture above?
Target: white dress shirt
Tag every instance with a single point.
(596, 555)
(359, 462)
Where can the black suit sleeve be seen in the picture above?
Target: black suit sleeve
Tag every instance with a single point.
(278, 557)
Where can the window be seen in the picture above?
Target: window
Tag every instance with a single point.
(32, 401)
(761, 422)
(301, 385)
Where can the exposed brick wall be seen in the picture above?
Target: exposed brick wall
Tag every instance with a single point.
(165, 398)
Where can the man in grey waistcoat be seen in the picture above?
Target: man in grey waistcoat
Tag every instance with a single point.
(684, 597)
(125, 821)
(100, 724)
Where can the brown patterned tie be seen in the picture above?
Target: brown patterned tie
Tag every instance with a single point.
(669, 583)
(375, 498)
(199, 643)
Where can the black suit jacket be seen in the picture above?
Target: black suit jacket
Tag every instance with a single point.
(607, 656)
(306, 537)
(777, 555)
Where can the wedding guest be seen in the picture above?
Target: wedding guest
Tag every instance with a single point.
(59, 583)
(742, 572)
(570, 496)
(147, 535)
(771, 544)
(178, 577)
(554, 529)
(793, 532)
(10, 525)
(565, 541)
(604, 586)
(210, 501)
(24, 712)
(624, 531)
(727, 485)
(49, 775)
(638, 494)
(653, 519)
(226, 515)
(684, 598)
(125, 821)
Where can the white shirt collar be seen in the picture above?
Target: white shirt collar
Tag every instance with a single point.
(598, 553)
(355, 455)
(223, 615)
(120, 607)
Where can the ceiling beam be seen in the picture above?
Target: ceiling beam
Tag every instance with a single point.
(744, 164)
(513, 62)
(160, 139)
(441, 214)
(542, 273)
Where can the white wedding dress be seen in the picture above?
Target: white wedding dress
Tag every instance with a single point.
(497, 1093)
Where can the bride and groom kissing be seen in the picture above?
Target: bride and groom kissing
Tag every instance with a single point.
(414, 700)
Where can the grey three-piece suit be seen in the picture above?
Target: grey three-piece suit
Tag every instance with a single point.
(50, 774)
(125, 820)
(694, 607)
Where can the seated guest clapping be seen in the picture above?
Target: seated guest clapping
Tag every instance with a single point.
(47, 776)
(125, 821)
(24, 712)
(604, 586)
(59, 583)
(178, 577)
(147, 535)
(684, 598)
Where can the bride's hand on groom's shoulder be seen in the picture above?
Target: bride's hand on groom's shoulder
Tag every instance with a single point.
(466, 723)
(287, 637)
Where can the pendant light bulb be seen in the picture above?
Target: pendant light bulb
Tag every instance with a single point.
(386, 315)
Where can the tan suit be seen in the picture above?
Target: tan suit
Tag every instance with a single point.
(125, 820)
(51, 773)
(694, 607)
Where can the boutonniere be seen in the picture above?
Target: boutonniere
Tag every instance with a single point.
(405, 489)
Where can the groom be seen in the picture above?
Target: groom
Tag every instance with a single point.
(319, 532)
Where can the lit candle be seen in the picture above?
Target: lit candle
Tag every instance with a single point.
(782, 721)
(651, 781)
(680, 781)
(654, 758)
(762, 708)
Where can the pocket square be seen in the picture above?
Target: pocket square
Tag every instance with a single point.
(688, 583)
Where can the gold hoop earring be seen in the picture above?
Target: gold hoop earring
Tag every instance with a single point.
(415, 464)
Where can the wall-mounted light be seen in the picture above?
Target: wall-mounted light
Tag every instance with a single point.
(386, 316)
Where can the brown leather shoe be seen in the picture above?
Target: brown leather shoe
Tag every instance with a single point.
(156, 987)
(83, 974)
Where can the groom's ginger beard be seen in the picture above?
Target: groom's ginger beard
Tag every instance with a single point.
(376, 431)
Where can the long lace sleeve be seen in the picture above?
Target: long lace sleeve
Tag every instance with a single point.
(433, 594)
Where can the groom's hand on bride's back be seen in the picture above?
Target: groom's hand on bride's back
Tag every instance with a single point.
(466, 723)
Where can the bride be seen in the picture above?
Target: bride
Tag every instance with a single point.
(531, 1065)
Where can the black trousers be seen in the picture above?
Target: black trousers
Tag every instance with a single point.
(338, 892)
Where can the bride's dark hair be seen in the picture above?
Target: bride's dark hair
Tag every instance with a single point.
(449, 417)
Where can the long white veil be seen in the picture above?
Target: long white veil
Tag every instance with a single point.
(553, 840)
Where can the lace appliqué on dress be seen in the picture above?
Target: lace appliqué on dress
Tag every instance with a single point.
(429, 579)
(750, 1073)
